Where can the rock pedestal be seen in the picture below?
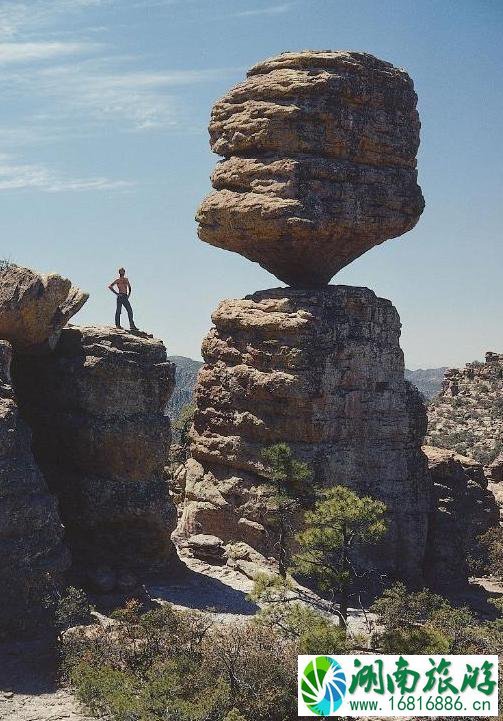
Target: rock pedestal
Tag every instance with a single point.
(32, 555)
(96, 407)
(322, 371)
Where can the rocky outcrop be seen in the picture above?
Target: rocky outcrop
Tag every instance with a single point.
(320, 163)
(32, 554)
(96, 407)
(34, 307)
(462, 509)
(495, 469)
(467, 415)
(323, 371)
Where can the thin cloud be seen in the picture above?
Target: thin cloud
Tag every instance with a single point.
(24, 16)
(97, 92)
(13, 52)
(270, 10)
(22, 176)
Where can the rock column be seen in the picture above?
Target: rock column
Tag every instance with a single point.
(322, 371)
(96, 407)
(319, 166)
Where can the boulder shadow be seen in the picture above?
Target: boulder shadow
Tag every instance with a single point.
(28, 667)
(193, 590)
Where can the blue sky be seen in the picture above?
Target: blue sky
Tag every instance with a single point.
(104, 154)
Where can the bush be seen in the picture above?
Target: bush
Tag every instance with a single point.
(72, 608)
(169, 664)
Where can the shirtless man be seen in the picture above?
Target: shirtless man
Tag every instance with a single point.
(123, 292)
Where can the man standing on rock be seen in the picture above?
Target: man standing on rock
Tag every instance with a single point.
(123, 292)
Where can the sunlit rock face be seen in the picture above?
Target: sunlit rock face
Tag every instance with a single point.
(34, 307)
(321, 370)
(319, 163)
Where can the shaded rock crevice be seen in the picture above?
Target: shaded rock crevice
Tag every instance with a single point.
(463, 508)
(31, 533)
(95, 406)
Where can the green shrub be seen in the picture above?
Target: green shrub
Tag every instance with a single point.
(418, 639)
(72, 608)
(176, 665)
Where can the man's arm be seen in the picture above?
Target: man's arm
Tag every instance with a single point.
(129, 289)
(111, 287)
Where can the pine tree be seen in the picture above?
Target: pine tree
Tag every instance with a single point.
(339, 521)
(290, 493)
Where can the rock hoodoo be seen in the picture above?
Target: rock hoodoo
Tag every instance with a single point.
(323, 371)
(319, 166)
(319, 163)
(96, 407)
(82, 427)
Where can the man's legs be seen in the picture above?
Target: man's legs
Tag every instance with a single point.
(118, 312)
(127, 306)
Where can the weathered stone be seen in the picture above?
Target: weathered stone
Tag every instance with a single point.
(96, 407)
(319, 165)
(495, 469)
(207, 547)
(323, 371)
(34, 307)
(31, 548)
(462, 509)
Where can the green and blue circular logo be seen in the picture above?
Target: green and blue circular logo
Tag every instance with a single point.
(323, 685)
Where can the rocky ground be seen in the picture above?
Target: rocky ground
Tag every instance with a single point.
(30, 689)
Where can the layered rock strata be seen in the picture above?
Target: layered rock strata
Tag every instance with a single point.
(32, 553)
(463, 508)
(319, 163)
(322, 371)
(96, 407)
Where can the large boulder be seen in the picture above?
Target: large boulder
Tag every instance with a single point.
(321, 370)
(320, 163)
(32, 555)
(34, 307)
(96, 407)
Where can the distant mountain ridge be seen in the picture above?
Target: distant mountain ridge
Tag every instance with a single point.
(185, 381)
(427, 380)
